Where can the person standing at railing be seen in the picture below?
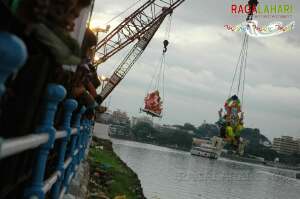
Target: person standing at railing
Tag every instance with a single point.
(85, 81)
(44, 26)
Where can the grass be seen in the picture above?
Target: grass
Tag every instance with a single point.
(116, 178)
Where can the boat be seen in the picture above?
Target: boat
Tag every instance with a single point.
(205, 151)
(207, 148)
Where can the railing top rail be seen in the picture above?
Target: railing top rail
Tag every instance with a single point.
(17, 145)
(74, 131)
(60, 134)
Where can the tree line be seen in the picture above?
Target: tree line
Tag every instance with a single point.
(181, 137)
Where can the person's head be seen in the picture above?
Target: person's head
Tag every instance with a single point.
(64, 12)
(88, 44)
(58, 12)
(31, 11)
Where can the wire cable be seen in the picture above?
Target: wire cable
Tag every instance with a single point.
(236, 69)
(242, 63)
(245, 68)
(124, 11)
(158, 78)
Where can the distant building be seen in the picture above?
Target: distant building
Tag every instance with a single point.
(136, 120)
(286, 145)
(119, 130)
(105, 118)
(119, 117)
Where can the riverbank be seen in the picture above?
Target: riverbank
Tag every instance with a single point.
(110, 177)
(226, 156)
(171, 174)
(260, 162)
(149, 142)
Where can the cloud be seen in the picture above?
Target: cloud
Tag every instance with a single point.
(200, 62)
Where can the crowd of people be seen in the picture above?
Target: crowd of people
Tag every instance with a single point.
(54, 56)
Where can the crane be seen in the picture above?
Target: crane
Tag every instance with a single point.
(141, 25)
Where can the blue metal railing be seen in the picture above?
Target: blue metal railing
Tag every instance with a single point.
(43, 139)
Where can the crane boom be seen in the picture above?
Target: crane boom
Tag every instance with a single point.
(134, 27)
(129, 60)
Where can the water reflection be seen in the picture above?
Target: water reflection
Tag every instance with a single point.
(170, 174)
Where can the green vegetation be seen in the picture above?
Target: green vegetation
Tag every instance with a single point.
(174, 138)
(110, 175)
(181, 136)
(207, 131)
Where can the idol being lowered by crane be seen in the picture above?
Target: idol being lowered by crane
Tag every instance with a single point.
(153, 103)
(232, 122)
(140, 26)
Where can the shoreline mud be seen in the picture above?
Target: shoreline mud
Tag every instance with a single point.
(110, 177)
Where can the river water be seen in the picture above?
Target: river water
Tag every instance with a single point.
(171, 174)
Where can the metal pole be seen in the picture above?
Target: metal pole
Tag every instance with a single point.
(69, 106)
(55, 93)
(74, 147)
(17, 145)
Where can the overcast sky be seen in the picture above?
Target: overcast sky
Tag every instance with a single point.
(200, 63)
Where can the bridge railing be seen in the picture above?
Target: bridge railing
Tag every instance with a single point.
(72, 138)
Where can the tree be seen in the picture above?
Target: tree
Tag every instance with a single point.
(207, 130)
(261, 151)
(189, 127)
(142, 130)
(169, 137)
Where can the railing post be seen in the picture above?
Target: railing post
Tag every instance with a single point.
(82, 138)
(86, 123)
(55, 93)
(13, 55)
(69, 106)
(88, 134)
(73, 147)
(81, 128)
(88, 137)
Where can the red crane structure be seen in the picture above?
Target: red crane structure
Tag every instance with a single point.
(140, 26)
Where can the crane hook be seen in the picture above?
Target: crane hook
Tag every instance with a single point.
(166, 43)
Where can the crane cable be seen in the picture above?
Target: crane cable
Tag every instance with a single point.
(245, 68)
(113, 18)
(167, 36)
(161, 69)
(241, 65)
(240, 70)
(91, 13)
(124, 11)
(158, 78)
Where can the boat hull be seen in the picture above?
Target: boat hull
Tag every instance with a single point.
(204, 153)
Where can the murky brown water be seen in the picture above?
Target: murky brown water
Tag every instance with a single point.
(171, 174)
